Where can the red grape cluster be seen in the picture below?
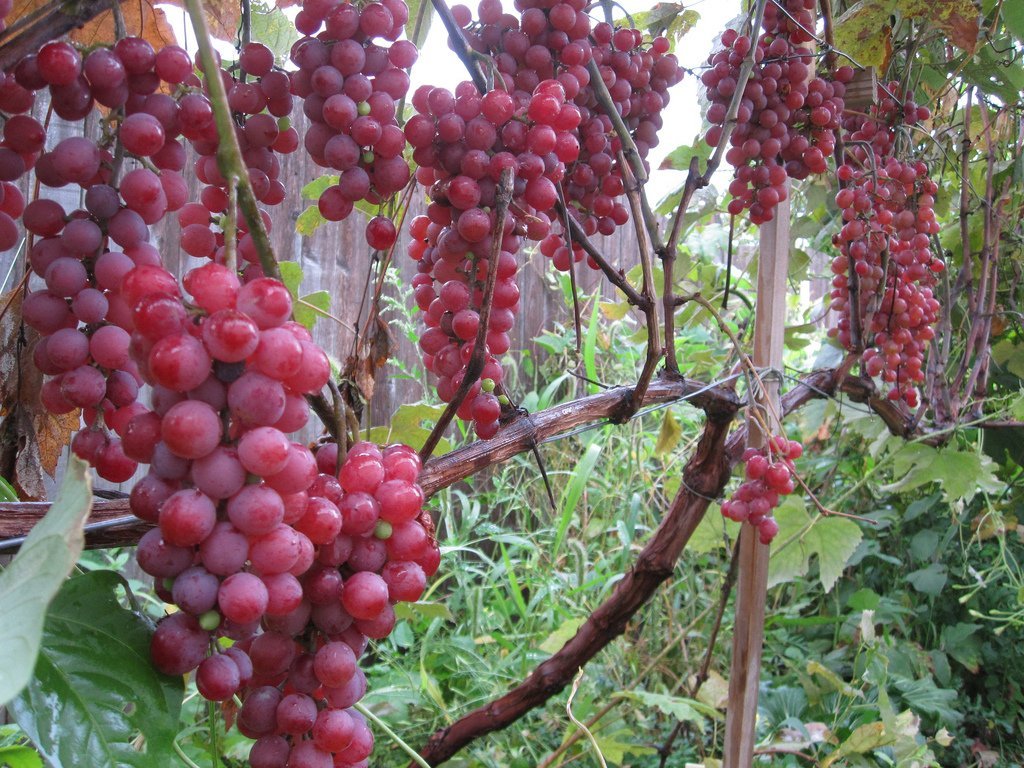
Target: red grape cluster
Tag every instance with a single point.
(788, 118)
(84, 320)
(768, 476)
(301, 600)
(556, 41)
(462, 144)
(257, 539)
(887, 207)
(543, 122)
(350, 85)
(83, 314)
(261, 107)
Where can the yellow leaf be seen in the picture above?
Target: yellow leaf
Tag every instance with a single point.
(669, 435)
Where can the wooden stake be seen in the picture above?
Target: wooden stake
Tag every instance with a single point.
(752, 580)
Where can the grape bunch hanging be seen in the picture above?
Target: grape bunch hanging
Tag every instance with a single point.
(787, 116)
(542, 122)
(885, 248)
(294, 556)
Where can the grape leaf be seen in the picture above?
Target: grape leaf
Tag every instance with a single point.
(832, 540)
(864, 30)
(95, 698)
(417, 7)
(961, 474)
(32, 579)
(1013, 19)
(318, 186)
(614, 746)
(314, 305)
(669, 434)
(309, 221)
(273, 28)
(677, 707)
(406, 426)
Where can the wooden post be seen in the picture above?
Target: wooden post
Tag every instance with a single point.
(752, 579)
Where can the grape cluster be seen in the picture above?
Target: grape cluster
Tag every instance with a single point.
(301, 601)
(768, 476)
(349, 85)
(462, 144)
(887, 207)
(84, 321)
(261, 107)
(557, 42)
(788, 118)
(543, 123)
(257, 539)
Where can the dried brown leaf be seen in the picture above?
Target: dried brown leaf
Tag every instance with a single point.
(141, 19)
(375, 349)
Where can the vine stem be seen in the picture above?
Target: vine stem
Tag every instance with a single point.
(412, 753)
(229, 155)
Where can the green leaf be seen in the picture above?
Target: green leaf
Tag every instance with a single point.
(270, 26)
(688, 710)
(669, 434)
(1013, 19)
(713, 532)
(565, 632)
(32, 579)
(924, 696)
(614, 747)
(962, 643)
(961, 474)
(7, 492)
(311, 306)
(614, 310)
(864, 739)
(832, 680)
(679, 158)
(832, 539)
(407, 426)
(864, 30)
(424, 610)
(309, 221)
(318, 186)
(573, 493)
(416, 7)
(929, 581)
(291, 276)
(924, 544)
(95, 691)
(672, 19)
(20, 757)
